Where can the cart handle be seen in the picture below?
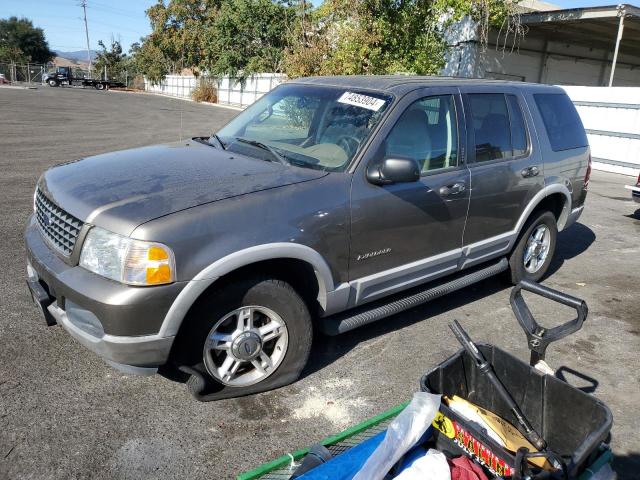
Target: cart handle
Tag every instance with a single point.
(538, 337)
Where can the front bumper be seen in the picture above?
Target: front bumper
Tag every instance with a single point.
(635, 192)
(118, 322)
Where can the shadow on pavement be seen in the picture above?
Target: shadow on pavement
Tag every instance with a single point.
(635, 215)
(570, 243)
(328, 349)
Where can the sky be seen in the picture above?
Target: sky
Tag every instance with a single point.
(63, 25)
(125, 20)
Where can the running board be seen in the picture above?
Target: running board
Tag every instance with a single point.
(378, 310)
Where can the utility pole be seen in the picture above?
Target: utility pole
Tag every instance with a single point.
(83, 4)
(621, 15)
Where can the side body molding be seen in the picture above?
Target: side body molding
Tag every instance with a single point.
(489, 248)
(239, 259)
(399, 278)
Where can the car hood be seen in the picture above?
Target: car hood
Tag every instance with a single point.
(122, 190)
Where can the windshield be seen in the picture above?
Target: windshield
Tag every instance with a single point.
(307, 126)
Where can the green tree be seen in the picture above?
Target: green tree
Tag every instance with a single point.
(111, 59)
(149, 60)
(247, 37)
(21, 42)
(384, 36)
(243, 37)
(180, 30)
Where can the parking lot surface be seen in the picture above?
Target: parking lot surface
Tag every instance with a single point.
(66, 414)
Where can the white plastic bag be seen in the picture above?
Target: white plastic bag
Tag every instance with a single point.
(432, 466)
(402, 434)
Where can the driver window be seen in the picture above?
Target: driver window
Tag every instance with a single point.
(426, 132)
(288, 120)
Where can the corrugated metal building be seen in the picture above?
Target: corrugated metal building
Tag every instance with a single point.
(566, 47)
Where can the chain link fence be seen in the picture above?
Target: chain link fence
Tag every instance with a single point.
(32, 74)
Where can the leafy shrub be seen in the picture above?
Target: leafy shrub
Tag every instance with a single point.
(138, 82)
(205, 91)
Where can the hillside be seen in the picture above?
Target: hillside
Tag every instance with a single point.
(65, 62)
(79, 56)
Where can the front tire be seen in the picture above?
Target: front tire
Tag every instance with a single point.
(532, 255)
(247, 337)
(52, 83)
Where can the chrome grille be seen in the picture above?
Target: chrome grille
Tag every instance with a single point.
(56, 225)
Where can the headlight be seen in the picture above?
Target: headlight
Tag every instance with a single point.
(125, 260)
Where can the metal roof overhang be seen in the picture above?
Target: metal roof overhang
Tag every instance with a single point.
(594, 27)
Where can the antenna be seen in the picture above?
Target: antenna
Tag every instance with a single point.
(83, 4)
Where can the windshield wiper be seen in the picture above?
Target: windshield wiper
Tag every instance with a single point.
(219, 140)
(278, 156)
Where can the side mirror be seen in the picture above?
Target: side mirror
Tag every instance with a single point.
(393, 170)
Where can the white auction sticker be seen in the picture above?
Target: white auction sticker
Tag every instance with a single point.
(364, 101)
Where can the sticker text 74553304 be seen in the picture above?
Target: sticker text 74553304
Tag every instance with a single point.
(360, 100)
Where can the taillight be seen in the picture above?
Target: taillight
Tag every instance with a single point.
(587, 176)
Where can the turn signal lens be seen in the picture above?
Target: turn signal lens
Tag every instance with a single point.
(134, 262)
(157, 253)
(159, 266)
(148, 264)
(158, 275)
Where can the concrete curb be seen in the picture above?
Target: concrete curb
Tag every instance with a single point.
(19, 87)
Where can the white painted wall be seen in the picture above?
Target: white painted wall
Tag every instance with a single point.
(173, 85)
(611, 117)
(230, 91)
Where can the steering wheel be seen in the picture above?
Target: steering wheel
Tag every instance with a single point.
(349, 144)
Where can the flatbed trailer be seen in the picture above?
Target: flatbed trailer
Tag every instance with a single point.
(64, 76)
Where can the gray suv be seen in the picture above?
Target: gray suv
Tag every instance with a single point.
(330, 203)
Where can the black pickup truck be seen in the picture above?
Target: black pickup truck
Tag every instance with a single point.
(64, 76)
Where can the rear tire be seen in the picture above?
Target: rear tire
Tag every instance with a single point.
(247, 337)
(534, 250)
(99, 86)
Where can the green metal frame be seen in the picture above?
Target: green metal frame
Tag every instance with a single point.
(284, 460)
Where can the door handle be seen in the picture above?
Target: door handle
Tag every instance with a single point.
(452, 189)
(530, 171)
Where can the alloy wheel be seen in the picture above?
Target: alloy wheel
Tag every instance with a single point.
(245, 346)
(537, 249)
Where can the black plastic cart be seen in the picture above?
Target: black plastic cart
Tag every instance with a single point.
(574, 424)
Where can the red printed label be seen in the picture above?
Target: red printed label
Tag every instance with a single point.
(479, 452)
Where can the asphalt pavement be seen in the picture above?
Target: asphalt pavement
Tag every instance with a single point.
(65, 414)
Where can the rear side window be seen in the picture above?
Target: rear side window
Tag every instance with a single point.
(518, 128)
(490, 119)
(561, 121)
